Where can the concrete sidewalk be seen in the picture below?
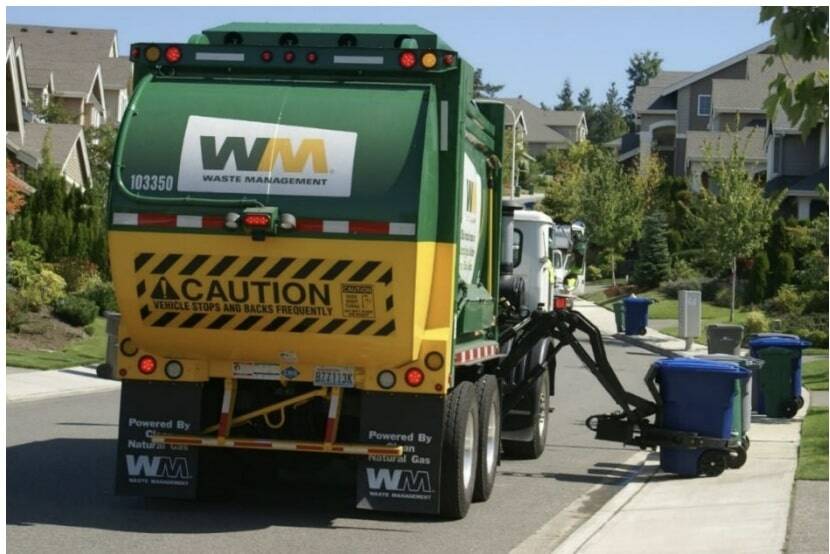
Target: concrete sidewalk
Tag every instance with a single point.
(24, 385)
(743, 510)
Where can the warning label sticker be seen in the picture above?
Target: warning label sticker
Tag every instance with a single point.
(264, 294)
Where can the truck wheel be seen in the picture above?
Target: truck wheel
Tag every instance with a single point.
(460, 451)
(533, 448)
(489, 418)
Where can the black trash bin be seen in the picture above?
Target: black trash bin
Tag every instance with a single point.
(724, 339)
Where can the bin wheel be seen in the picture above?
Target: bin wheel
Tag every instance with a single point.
(643, 331)
(790, 408)
(747, 442)
(800, 401)
(736, 458)
(592, 422)
(712, 462)
(489, 436)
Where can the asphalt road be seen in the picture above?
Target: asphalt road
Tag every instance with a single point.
(60, 475)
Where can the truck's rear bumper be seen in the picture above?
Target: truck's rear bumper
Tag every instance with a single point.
(285, 446)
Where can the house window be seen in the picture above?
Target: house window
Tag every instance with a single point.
(704, 105)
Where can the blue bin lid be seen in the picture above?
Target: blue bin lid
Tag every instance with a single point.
(743, 361)
(697, 365)
(781, 341)
(637, 300)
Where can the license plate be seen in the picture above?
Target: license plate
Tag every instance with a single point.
(244, 370)
(334, 377)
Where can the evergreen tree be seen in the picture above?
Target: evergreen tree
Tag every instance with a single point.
(609, 122)
(565, 97)
(481, 89)
(642, 68)
(782, 271)
(756, 288)
(653, 261)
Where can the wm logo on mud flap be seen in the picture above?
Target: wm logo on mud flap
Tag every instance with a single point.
(279, 294)
(165, 467)
(398, 480)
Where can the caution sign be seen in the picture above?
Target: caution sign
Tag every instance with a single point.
(281, 294)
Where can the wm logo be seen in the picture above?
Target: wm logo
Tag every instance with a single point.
(157, 466)
(400, 480)
(265, 154)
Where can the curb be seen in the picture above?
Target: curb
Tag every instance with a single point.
(646, 345)
(56, 383)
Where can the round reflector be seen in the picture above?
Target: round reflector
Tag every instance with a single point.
(128, 348)
(173, 369)
(386, 379)
(429, 60)
(414, 377)
(146, 364)
(434, 361)
(266, 55)
(152, 54)
(288, 56)
(407, 59)
(172, 54)
(311, 57)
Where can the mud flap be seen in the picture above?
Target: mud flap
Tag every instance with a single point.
(156, 470)
(410, 483)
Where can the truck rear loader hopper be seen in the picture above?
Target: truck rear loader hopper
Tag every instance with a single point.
(310, 255)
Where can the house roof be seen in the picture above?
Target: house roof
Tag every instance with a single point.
(693, 78)
(71, 77)
(117, 72)
(45, 40)
(799, 183)
(537, 122)
(718, 143)
(39, 76)
(563, 118)
(646, 97)
(62, 139)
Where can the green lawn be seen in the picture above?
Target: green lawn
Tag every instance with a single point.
(814, 375)
(816, 352)
(812, 454)
(91, 349)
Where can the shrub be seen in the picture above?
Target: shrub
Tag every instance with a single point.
(710, 288)
(76, 272)
(788, 302)
(672, 288)
(37, 288)
(16, 310)
(76, 310)
(756, 290)
(682, 269)
(817, 302)
(593, 273)
(723, 293)
(756, 322)
(102, 293)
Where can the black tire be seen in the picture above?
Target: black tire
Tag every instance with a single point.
(746, 442)
(104, 371)
(539, 405)
(456, 490)
(489, 436)
(800, 401)
(712, 463)
(790, 408)
(736, 458)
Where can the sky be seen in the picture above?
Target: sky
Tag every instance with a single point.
(528, 49)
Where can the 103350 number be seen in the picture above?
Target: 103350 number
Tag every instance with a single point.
(151, 182)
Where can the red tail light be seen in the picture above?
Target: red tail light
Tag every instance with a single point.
(311, 57)
(408, 59)
(172, 54)
(288, 56)
(560, 303)
(146, 364)
(135, 52)
(266, 56)
(414, 377)
(449, 59)
(256, 220)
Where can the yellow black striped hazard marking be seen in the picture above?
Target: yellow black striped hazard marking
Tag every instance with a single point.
(266, 294)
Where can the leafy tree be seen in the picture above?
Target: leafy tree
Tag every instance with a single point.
(609, 122)
(653, 261)
(799, 32)
(52, 112)
(481, 89)
(782, 271)
(565, 97)
(15, 199)
(568, 169)
(642, 67)
(735, 222)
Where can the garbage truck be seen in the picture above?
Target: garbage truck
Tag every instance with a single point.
(312, 258)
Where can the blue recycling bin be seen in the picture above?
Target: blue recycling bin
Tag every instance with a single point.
(794, 343)
(636, 314)
(697, 396)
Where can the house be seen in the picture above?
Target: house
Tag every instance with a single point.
(547, 128)
(798, 165)
(26, 137)
(77, 67)
(686, 116)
